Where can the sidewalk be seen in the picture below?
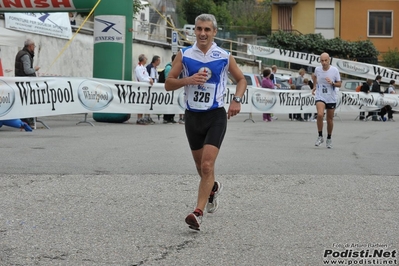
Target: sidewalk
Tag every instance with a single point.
(117, 194)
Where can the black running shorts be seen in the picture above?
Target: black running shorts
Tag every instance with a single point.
(205, 127)
(328, 105)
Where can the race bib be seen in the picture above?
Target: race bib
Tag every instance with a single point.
(201, 97)
(322, 88)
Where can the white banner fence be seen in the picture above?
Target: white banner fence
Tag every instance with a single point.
(47, 96)
(359, 69)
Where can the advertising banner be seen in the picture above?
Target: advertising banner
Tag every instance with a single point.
(34, 97)
(109, 28)
(363, 70)
(49, 24)
(32, 5)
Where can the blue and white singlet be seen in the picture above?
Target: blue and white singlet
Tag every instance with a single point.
(215, 63)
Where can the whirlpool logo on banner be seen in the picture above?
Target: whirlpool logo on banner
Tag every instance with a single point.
(94, 96)
(266, 99)
(7, 98)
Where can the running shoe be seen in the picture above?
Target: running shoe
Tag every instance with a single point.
(26, 127)
(181, 121)
(391, 120)
(149, 120)
(319, 141)
(329, 143)
(213, 201)
(141, 121)
(194, 220)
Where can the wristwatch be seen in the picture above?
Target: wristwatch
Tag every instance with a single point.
(237, 99)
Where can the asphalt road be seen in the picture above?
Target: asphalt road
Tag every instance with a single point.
(117, 194)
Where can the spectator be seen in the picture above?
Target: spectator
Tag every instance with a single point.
(205, 67)
(387, 108)
(325, 79)
(375, 88)
(142, 76)
(366, 87)
(153, 73)
(170, 118)
(306, 87)
(72, 18)
(24, 67)
(17, 123)
(152, 68)
(276, 85)
(300, 78)
(273, 77)
(267, 83)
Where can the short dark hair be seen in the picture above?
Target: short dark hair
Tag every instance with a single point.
(266, 72)
(155, 58)
(392, 82)
(378, 77)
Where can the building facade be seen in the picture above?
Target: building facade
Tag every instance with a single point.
(351, 20)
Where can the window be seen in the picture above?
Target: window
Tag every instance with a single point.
(324, 18)
(284, 18)
(380, 23)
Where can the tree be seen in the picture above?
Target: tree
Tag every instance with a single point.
(391, 58)
(190, 9)
(137, 7)
(245, 16)
(250, 16)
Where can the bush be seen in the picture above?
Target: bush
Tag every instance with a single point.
(391, 58)
(362, 51)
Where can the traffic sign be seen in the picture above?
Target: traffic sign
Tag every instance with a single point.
(174, 42)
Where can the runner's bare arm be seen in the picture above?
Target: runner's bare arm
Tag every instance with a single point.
(235, 107)
(314, 78)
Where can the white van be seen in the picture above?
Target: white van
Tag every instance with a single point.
(189, 31)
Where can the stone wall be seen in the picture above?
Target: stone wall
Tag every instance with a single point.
(60, 57)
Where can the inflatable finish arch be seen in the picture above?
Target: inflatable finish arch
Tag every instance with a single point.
(112, 35)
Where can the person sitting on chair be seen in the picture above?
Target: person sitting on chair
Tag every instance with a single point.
(387, 109)
(17, 123)
(376, 87)
(366, 87)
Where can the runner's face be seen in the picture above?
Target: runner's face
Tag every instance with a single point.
(325, 61)
(204, 33)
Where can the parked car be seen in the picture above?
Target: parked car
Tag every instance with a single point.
(284, 83)
(351, 84)
(284, 77)
(256, 80)
(187, 35)
(252, 79)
